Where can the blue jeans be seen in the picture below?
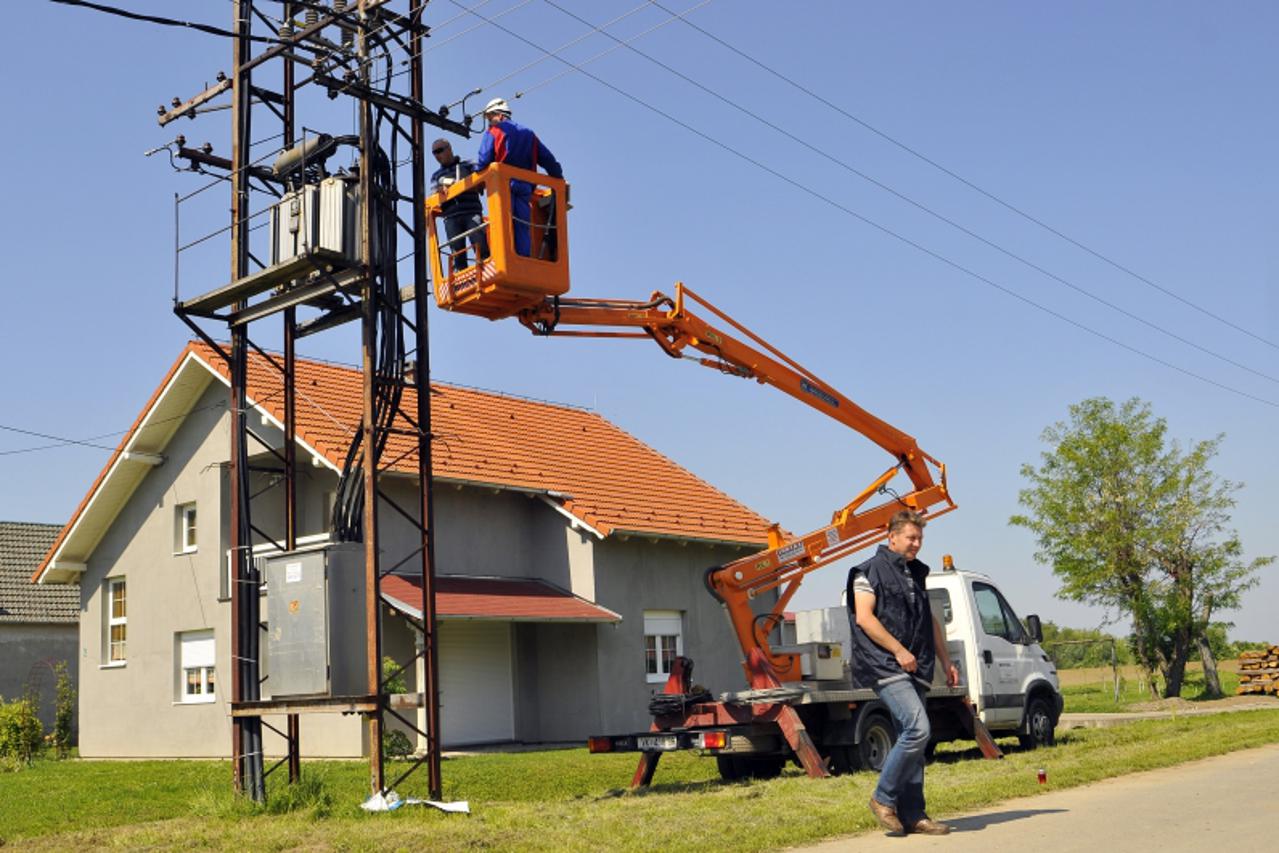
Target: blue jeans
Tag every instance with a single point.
(901, 781)
(460, 224)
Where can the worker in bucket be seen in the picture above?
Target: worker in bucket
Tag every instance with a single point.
(463, 215)
(507, 142)
(896, 640)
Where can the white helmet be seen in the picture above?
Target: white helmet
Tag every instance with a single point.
(498, 105)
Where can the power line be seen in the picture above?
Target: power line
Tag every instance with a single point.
(167, 22)
(966, 182)
(89, 442)
(62, 441)
(468, 30)
(567, 45)
(921, 206)
(603, 53)
(876, 225)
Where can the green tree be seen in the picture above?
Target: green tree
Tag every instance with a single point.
(1130, 521)
(1076, 648)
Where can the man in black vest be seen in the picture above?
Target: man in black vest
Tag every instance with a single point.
(462, 215)
(895, 642)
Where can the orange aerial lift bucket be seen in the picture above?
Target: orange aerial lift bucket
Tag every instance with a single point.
(506, 282)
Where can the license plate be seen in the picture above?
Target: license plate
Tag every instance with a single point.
(657, 743)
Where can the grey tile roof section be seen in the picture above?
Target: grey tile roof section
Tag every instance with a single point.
(22, 546)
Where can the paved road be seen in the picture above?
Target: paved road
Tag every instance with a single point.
(1229, 803)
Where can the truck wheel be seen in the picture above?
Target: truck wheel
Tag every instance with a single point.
(842, 759)
(878, 737)
(1039, 725)
(730, 768)
(769, 767)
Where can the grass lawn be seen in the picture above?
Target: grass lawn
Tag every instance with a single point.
(558, 800)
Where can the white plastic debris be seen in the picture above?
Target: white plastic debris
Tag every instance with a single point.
(390, 801)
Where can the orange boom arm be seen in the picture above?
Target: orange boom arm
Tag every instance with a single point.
(786, 560)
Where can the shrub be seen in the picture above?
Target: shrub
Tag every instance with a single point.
(21, 734)
(64, 711)
(396, 744)
(392, 681)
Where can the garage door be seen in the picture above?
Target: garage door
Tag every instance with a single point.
(476, 699)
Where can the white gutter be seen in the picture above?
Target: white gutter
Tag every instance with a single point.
(574, 522)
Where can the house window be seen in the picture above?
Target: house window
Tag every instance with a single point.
(663, 641)
(195, 667)
(185, 532)
(117, 620)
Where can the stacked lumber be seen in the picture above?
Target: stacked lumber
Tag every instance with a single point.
(1259, 671)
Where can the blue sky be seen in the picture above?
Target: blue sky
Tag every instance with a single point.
(1142, 130)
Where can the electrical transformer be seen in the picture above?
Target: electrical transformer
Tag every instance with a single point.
(315, 622)
(317, 216)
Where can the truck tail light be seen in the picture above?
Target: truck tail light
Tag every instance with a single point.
(714, 740)
(599, 744)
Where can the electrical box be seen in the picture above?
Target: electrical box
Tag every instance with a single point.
(818, 661)
(317, 216)
(316, 639)
(825, 625)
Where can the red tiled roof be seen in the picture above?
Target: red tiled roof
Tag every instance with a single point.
(506, 599)
(612, 480)
(604, 476)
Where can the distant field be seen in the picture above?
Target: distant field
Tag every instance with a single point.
(1095, 674)
(1093, 690)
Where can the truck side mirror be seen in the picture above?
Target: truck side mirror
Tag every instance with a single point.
(1036, 629)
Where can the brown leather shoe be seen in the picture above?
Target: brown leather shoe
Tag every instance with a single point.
(886, 815)
(927, 826)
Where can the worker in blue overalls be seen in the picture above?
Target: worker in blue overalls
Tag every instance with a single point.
(507, 142)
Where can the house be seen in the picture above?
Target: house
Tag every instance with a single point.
(570, 559)
(38, 624)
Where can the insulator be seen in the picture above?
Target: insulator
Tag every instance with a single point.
(286, 30)
(339, 5)
(348, 37)
(312, 17)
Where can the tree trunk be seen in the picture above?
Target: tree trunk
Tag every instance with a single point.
(1175, 670)
(1174, 674)
(1212, 682)
(1141, 648)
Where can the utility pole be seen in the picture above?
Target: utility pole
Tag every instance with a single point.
(312, 283)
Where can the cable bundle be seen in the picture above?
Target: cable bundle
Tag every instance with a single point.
(388, 362)
(677, 703)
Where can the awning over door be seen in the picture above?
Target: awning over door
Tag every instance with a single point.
(495, 599)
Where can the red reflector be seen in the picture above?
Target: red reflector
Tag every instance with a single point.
(714, 740)
(599, 744)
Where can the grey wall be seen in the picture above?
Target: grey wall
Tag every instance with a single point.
(637, 575)
(482, 532)
(557, 681)
(133, 710)
(30, 650)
